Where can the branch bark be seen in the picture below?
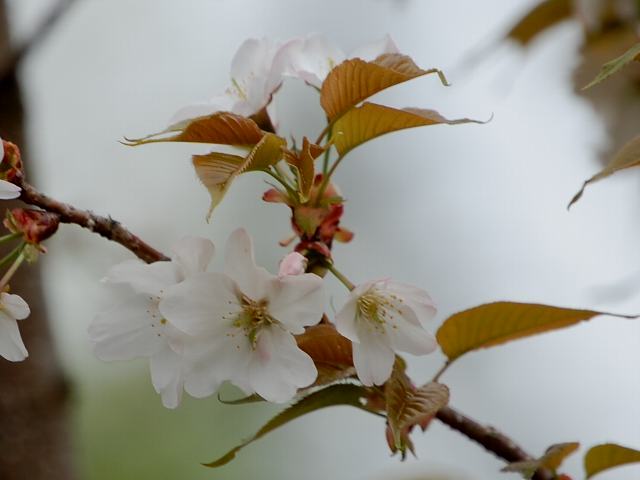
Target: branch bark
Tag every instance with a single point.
(490, 438)
(104, 226)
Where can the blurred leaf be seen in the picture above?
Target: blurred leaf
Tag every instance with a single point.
(408, 406)
(500, 322)
(223, 128)
(552, 459)
(341, 394)
(303, 162)
(217, 170)
(361, 124)
(608, 455)
(628, 156)
(355, 80)
(543, 16)
(330, 351)
(616, 64)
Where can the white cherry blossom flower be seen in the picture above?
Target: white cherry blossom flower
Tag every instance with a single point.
(253, 83)
(382, 317)
(250, 316)
(12, 308)
(135, 328)
(312, 58)
(7, 189)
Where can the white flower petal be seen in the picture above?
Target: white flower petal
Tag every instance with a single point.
(14, 305)
(278, 367)
(415, 298)
(11, 346)
(240, 265)
(296, 301)
(127, 330)
(204, 303)
(214, 360)
(151, 279)
(405, 336)
(167, 376)
(8, 190)
(375, 49)
(346, 320)
(372, 357)
(193, 254)
(219, 103)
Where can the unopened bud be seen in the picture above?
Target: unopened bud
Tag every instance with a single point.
(293, 264)
(35, 225)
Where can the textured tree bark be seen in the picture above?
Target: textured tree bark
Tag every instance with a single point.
(35, 440)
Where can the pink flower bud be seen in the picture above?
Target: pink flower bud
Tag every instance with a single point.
(293, 264)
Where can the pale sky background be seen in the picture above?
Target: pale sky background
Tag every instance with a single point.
(472, 213)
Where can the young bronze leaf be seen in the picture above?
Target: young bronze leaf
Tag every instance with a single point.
(500, 322)
(616, 64)
(340, 394)
(361, 124)
(628, 156)
(408, 406)
(551, 460)
(304, 165)
(543, 16)
(355, 80)
(222, 128)
(217, 170)
(330, 351)
(608, 455)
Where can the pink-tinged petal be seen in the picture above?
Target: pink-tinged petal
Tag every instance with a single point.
(240, 265)
(296, 301)
(219, 103)
(375, 49)
(11, 346)
(203, 304)
(215, 359)
(167, 376)
(8, 190)
(129, 330)
(373, 356)
(151, 279)
(14, 305)
(405, 336)
(346, 320)
(278, 367)
(193, 254)
(293, 264)
(415, 298)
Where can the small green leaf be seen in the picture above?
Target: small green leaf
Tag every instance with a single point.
(371, 120)
(628, 156)
(540, 18)
(340, 394)
(616, 64)
(608, 455)
(551, 460)
(500, 322)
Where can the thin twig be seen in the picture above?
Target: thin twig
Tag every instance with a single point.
(490, 438)
(107, 227)
(46, 26)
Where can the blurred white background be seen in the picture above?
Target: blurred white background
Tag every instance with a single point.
(472, 213)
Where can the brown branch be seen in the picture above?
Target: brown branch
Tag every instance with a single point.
(490, 438)
(46, 26)
(105, 226)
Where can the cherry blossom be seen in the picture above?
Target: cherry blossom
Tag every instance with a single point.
(250, 316)
(12, 308)
(135, 328)
(382, 317)
(7, 189)
(312, 58)
(253, 83)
